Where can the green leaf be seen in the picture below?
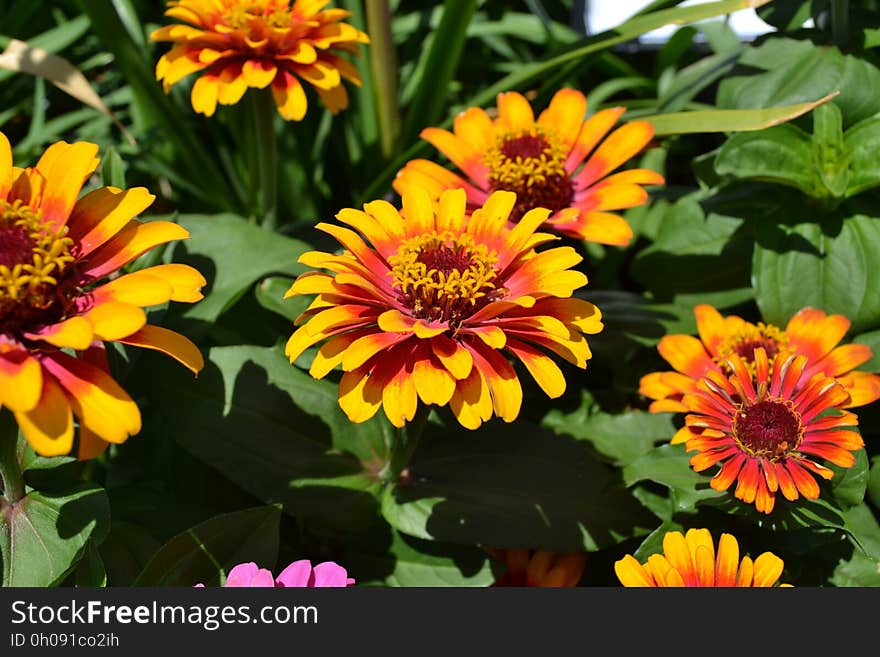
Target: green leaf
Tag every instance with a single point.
(409, 561)
(863, 567)
(785, 71)
(44, 535)
(653, 543)
(517, 487)
(874, 482)
(270, 294)
(668, 465)
(802, 265)
(862, 143)
(848, 485)
(621, 438)
(232, 271)
(112, 169)
(781, 155)
(126, 550)
(436, 70)
(205, 553)
(276, 432)
(721, 120)
(90, 572)
(686, 255)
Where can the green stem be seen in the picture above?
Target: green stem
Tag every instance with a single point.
(840, 22)
(383, 65)
(267, 157)
(404, 443)
(10, 471)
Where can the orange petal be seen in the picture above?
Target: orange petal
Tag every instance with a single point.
(474, 127)
(471, 403)
(686, 354)
(594, 226)
(98, 401)
(358, 402)
(48, 427)
(65, 171)
(620, 146)
(592, 132)
(132, 241)
(845, 358)
(503, 382)
(204, 94)
(90, 445)
(290, 98)
(74, 333)
(5, 166)
(514, 112)
(768, 569)
(813, 333)
(631, 573)
(21, 380)
(168, 342)
(726, 561)
(460, 153)
(258, 73)
(542, 368)
(565, 115)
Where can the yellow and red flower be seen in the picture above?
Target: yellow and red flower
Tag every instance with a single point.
(690, 560)
(543, 163)
(55, 250)
(810, 332)
(766, 427)
(425, 310)
(539, 568)
(241, 44)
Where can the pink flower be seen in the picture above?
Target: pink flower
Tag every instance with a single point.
(299, 574)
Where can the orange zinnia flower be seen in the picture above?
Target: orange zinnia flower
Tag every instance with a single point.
(690, 561)
(810, 332)
(765, 428)
(257, 43)
(55, 249)
(425, 311)
(541, 162)
(539, 568)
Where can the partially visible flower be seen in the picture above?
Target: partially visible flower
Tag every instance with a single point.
(765, 428)
(299, 574)
(237, 44)
(691, 561)
(59, 304)
(542, 161)
(539, 568)
(810, 332)
(427, 311)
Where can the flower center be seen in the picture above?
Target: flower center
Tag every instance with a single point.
(530, 163)
(744, 343)
(444, 277)
(33, 259)
(272, 13)
(770, 428)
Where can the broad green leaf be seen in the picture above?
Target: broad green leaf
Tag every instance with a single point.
(782, 154)
(862, 143)
(668, 465)
(621, 438)
(44, 535)
(726, 120)
(231, 271)
(276, 432)
(126, 550)
(270, 294)
(515, 486)
(874, 482)
(112, 169)
(695, 252)
(209, 550)
(785, 71)
(90, 572)
(802, 265)
(409, 561)
(848, 485)
(863, 567)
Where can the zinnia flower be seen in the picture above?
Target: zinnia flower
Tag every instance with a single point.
(425, 312)
(237, 44)
(55, 312)
(541, 161)
(299, 574)
(810, 332)
(539, 568)
(690, 560)
(765, 428)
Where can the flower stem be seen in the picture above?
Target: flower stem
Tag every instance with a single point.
(267, 157)
(404, 443)
(383, 65)
(10, 471)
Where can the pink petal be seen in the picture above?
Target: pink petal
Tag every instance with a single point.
(249, 575)
(329, 574)
(296, 575)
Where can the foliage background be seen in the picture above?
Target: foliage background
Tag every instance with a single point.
(255, 461)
